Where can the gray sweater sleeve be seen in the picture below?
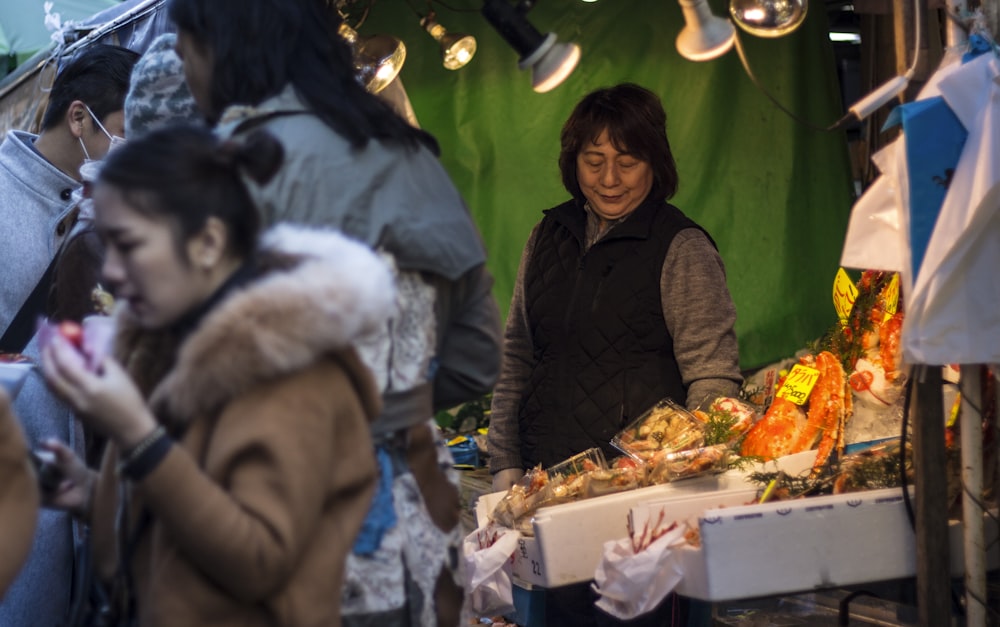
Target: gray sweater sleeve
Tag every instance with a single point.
(504, 441)
(468, 323)
(700, 315)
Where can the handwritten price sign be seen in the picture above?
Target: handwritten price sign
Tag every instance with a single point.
(798, 384)
(891, 296)
(844, 293)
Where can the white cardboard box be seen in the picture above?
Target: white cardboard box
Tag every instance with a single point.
(796, 546)
(569, 538)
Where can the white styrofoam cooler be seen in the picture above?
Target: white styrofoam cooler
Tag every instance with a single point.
(813, 543)
(569, 538)
(746, 550)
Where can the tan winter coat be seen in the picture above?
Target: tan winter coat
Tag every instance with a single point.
(18, 497)
(255, 507)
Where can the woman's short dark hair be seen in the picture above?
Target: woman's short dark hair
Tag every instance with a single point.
(636, 123)
(185, 175)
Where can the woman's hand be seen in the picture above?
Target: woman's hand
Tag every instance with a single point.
(76, 488)
(106, 399)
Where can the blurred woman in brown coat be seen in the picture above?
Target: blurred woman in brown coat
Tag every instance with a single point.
(239, 466)
(18, 496)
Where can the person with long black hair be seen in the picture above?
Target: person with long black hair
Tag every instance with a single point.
(353, 163)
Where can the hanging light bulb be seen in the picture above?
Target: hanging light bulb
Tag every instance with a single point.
(704, 36)
(550, 61)
(377, 58)
(457, 49)
(768, 18)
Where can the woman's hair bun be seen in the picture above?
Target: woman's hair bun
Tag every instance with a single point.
(259, 155)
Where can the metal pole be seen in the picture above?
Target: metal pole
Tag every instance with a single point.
(933, 572)
(974, 543)
(955, 35)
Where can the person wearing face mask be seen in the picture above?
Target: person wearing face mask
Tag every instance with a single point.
(620, 301)
(39, 175)
(157, 96)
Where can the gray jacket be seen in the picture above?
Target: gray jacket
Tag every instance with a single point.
(35, 200)
(401, 201)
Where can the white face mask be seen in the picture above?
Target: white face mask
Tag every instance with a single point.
(114, 140)
(89, 170)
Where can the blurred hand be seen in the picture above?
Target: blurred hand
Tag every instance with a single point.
(76, 488)
(105, 399)
(504, 479)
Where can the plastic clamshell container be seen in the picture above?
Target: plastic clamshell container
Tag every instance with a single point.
(665, 426)
(665, 467)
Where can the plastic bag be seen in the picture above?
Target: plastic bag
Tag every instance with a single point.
(487, 552)
(632, 583)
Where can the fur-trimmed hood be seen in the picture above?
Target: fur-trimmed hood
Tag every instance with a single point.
(316, 294)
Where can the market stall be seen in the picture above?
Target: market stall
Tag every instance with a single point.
(817, 494)
(731, 140)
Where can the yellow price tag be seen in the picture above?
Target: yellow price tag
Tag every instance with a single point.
(844, 293)
(458, 439)
(956, 407)
(798, 384)
(891, 297)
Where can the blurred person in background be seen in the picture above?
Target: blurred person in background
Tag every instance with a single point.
(354, 164)
(18, 496)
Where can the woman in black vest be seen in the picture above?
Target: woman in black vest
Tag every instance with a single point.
(620, 301)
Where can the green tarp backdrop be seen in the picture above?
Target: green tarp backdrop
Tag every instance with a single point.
(774, 194)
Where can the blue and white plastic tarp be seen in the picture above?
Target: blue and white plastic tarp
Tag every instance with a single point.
(952, 291)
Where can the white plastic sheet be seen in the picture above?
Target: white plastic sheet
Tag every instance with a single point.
(633, 583)
(487, 552)
(875, 233)
(953, 303)
(953, 314)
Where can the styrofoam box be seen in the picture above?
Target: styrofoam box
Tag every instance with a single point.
(569, 538)
(795, 546)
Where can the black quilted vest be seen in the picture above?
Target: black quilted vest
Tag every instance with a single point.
(602, 351)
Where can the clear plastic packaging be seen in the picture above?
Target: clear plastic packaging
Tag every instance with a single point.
(522, 498)
(561, 483)
(727, 420)
(664, 427)
(568, 479)
(665, 467)
(623, 474)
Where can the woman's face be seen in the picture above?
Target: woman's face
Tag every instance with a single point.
(198, 63)
(143, 265)
(615, 183)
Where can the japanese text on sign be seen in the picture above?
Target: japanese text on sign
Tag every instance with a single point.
(798, 384)
(891, 296)
(844, 293)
